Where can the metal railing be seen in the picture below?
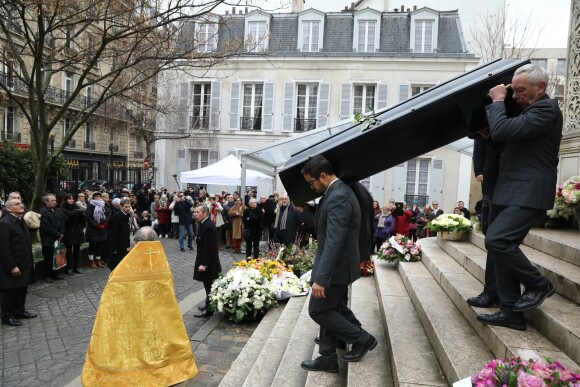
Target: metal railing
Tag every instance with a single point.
(421, 200)
(89, 145)
(138, 154)
(11, 136)
(304, 124)
(200, 123)
(251, 123)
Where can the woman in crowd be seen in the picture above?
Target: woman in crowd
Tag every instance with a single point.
(81, 201)
(215, 214)
(413, 222)
(97, 216)
(145, 220)
(163, 217)
(174, 219)
(401, 215)
(384, 227)
(252, 219)
(236, 213)
(74, 231)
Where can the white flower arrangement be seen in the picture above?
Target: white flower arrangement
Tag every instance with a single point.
(289, 285)
(243, 294)
(449, 222)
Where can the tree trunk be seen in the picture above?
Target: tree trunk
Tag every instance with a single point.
(39, 187)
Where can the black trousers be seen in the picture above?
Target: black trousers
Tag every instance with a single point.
(207, 287)
(335, 319)
(72, 256)
(487, 217)
(12, 302)
(47, 258)
(255, 242)
(506, 232)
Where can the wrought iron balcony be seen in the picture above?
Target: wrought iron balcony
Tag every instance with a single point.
(89, 145)
(138, 154)
(251, 123)
(71, 144)
(11, 136)
(421, 200)
(304, 124)
(200, 123)
(113, 148)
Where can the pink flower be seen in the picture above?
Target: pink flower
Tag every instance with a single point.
(484, 377)
(540, 370)
(527, 380)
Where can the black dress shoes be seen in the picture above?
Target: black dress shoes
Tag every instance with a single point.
(27, 315)
(339, 344)
(321, 363)
(205, 313)
(12, 322)
(360, 348)
(49, 280)
(69, 272)
(504, 318)
(533, 297)
(484, 300)
(202, 308)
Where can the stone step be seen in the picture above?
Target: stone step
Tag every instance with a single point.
(266, 364)
(374, 370)
(300, 348)
(459, 349)
(245, 361)
(560, 243)
(563, 275)
(412, 359)
(459, 285)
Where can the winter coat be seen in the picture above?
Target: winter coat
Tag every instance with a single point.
(94, 233)
(16, 251)
(252, 219)
(163, 214)
(207, 252)
(183, 210)
(236, 214)
(386, 231)
(74, 224)
(51, 226)
(402, 223)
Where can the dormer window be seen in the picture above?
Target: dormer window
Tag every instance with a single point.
(207, 35)
(367, 26)
(257, 26)
(424, 28)
(310, 30)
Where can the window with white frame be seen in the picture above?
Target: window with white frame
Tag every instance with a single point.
(306, 106)
(253, 95)
(543, 63)
(424, 36)
(257, 36)
(364, 98)
(201, 105)
(310, 35)
(419, 88)
(68, 84)
(138, 143)
(366, 35)
(207, 33)
(201, 158)
(561, 67)
(9, 120)
(417, 177)
(89, 136)
(8, 70)
(89, 95)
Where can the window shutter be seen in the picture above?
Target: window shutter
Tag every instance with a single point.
(213, 157)
(383, 94)
(323, 104)
(436, 181)
(268, 115)
(287, 116)
(183, 109)
(235, 106)
(399, 182)
(214, 109)
(403, 92)
(345, 111)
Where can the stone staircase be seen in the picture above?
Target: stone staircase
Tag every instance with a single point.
(418, 312)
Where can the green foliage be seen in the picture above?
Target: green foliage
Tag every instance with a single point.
(18, 175)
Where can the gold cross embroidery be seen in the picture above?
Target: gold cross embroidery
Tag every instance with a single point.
(150, 252)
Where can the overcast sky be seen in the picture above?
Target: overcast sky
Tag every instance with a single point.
(551, 18)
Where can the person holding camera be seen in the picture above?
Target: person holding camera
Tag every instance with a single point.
(402, 216)
(163, 217)
(181, 206)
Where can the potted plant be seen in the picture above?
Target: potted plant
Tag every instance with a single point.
(399, 248)
(450, 226)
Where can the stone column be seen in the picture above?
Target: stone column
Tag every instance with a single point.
(570, 147)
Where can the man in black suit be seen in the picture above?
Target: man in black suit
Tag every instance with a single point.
(16, 264)
(207, 261)
(336, 266)
(119, 234)
(51, 230)
(524, 190)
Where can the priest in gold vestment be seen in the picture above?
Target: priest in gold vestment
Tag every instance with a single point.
(139, 338)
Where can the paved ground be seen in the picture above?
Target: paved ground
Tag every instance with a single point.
(50, 349)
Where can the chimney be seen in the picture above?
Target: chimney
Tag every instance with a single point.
(414, 8)
(233, 10)
(402, 8)
(396, 9)
(227, 12)
(241, 12)
(246, 10)
(408, 9)
(297, 6)
(352, 6)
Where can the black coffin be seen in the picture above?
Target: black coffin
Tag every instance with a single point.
(430, 120)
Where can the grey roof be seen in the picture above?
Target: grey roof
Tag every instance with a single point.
(395, 33)
(449, 33)
(338, 33)
(284, 33)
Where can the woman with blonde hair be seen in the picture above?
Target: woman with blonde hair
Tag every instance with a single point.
(236, 213)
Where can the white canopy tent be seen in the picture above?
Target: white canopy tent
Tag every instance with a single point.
(225, 172)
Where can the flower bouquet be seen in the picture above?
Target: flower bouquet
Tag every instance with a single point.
(297, 258)
(400, 248)
(570, 191)
(514, 372)
(243, 294)
(289, 285)
(561, 208)
(449, 222)
(367, 268)
(269, 268)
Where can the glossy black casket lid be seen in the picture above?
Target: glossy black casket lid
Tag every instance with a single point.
(430, 120)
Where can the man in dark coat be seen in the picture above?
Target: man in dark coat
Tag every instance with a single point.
(207, 261)
(182, 208)
(16, 264)
(524, 190)
(119, 234)
(286, 222)
(51, 230)
(367, 221)
(336, 266)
